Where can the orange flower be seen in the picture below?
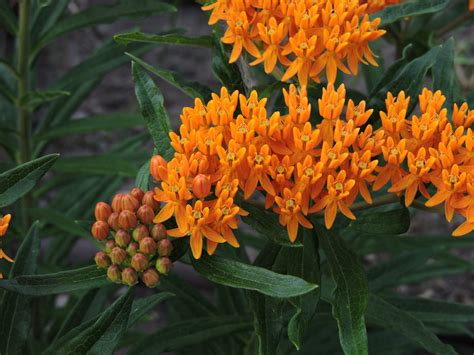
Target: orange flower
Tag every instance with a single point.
(394, 156)
(258, 163)
(238, 34)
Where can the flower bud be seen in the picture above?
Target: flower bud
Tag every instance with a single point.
(165, 247)
(127, 220)
(151, 278)
(149, 200)
(145, 214)
(164, 265)
(102, 260)
(113, 221)
(114, 274)
(148, 246)
(140, 232)
(117, 203)
(122, 238)
(132, 248)
(158, 168)
(158, 232)
(118, 255)
(201, 186)
(129, 203)
(109, 245)
(129, 276)
(137, 193)
(100, 230)
(102, 211)
(139, 262)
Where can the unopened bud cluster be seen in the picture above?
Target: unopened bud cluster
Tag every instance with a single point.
(134, 248)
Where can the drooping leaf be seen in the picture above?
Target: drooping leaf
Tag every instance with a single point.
(236, 274)
(412, 8)
(391, 222)
(18, 181)
(444, 76)
(125, 38)
(108, 164)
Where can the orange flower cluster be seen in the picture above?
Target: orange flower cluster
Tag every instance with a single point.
(232, 143)
(305, 37)
(4, 222)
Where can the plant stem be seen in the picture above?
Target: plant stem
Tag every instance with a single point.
(24, 122)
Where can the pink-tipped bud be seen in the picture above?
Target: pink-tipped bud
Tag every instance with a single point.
(129, 276)
(130, 203)
(140, 232)
(102, 211)
(159, 168)
(114, 274)
(102, 260)
(113, 221)
(165, 247)
(118, 255)
(137, 193)
(117, 203)
(148, 246)
(127, 220)
(139, 262)
(122, 238)
(109, 245)
(100, 230)
(132, 248)
(145, 214)
(201, 186)
(149, 200)
(164, 265)
(151, 278)
(158, 232)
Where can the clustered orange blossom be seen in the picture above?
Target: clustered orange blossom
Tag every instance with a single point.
(232, 143)
(305, 37)
(4, 222)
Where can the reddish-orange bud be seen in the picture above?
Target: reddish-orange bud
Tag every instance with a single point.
(127, 220)
(201, 186)
(132, 248)
(122, 238)
(137, 193)
(114, 274)
(139, 262)
(165, 247)
(146, 214)
(158, 232)
(149, 200)
(117, 203)
(100, 230)
(102, 211)
(118, 255)
(164, 265)
(158, 168)
(148, 246)
(113, 221)
(102, 260)
(109, 245)
(129, 276)
(151, 278)
(140, 232)
(130, 203)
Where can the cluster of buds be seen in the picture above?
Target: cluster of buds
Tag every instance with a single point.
(134, 247)
(304, 37)
(4, 223)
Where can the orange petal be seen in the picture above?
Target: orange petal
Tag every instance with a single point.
(165, 213)
(196, 244)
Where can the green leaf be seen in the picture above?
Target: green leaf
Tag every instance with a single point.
(386, 315)
(100, 14)
(191, 88)
(144, 306)
(236, 274)
(8, 18)
(153, 111)
(126, 38)
(350, 297)
(43, 3)
(16, 312)
(60, 221)
(6, 92)
(393, 13)
(142, 180)
(93, 124)
(376, 222)
(97, 165)
(190, 332)
(18, 181)
(34, 99)
(59, 282)
(444, 76)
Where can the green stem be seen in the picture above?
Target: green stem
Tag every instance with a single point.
(24, 122)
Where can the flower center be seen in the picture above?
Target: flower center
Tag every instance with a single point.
(309, 171)
(290, 204)
(420, 164)
(394, 151)
(280, 169)
(225, 210)
(197, 214)
(183, 140)
(304, 138)
(338, 186)
(362, 165)
(423, 127)
(303, 45)
(175, 188)
(231, 156)
(259, 159)
(453, 179)
(332, 155)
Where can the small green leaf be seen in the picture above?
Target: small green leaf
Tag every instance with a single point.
(16, 182)
(444, 76)
(59, 282)
(393, 13)
(142, 180)
(350, 297)
(236, 274)
(376, 222)
(34, 99)
(108, 164)
(8, 18)
(153, 111)
(125, 38)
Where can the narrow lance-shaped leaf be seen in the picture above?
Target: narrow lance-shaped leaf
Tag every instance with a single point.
(125, 38)
(393, 13)
(34, 99)
(109, 164)
(8, 18)
(444, 76)
(376, 222)
(142, 180)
